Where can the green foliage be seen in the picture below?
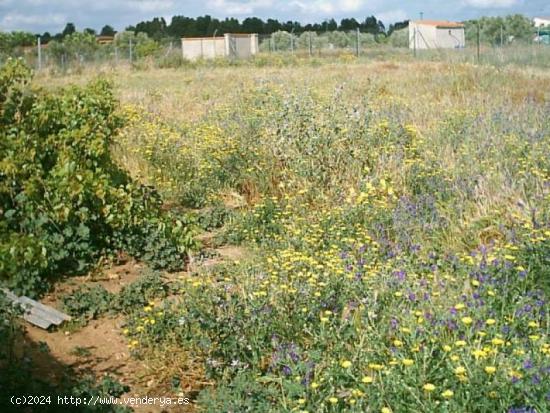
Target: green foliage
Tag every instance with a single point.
(213, 217)
(494, 30)
(88, 303)
(148, 287)
(142, 45)
(10, 330)
(145, 46)
(75, 46)
(64, 202)
(400, 38)
(11, 41)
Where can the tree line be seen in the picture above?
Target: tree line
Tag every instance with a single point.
(182, 26)
(495, 30)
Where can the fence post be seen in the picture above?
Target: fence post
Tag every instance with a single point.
(478, 42)
(39, 53)
(414, 40)
(131, 51)
(357, 42)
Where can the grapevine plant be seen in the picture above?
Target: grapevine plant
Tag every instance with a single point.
(64, 202)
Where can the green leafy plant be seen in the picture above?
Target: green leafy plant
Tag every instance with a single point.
(88, 303)
(63, 201)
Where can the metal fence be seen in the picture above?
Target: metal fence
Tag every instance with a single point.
(283, 44)
(317, 44)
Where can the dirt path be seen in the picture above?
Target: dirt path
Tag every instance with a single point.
(100, 348)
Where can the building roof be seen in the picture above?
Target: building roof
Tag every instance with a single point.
(542, 18)
(105, 39)
(439, 23)
(219, 37)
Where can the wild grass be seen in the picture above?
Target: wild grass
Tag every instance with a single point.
(400, 215)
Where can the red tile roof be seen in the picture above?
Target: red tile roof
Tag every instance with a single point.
(439, 23)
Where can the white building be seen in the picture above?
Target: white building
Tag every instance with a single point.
(434, 34)
(541, 21)
(229, 45)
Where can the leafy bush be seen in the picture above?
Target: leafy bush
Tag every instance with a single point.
(214, 217)
(63, 200)
(141, 292)
(88, 303)
(10, 330)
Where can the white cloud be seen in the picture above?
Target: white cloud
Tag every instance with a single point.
(229, 7)
(326, 7)
(14, 21)
(392, 16)
(40, 15)
(151, 6)
(488, 4)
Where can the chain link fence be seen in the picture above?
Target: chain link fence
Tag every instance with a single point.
(126, 48)
(319, 44)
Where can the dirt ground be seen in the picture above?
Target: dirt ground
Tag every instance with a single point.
(98, 348)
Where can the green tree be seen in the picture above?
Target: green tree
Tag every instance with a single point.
(497, 30)
(348, 25)
(107, 31)
(68, 30)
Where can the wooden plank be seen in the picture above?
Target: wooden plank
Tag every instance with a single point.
(45, 308)
(44, 315)
(37, 321)
(37, 313)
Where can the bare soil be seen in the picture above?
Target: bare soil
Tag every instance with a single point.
(98, 348)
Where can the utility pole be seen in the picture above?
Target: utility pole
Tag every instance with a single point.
(421, 15)
(39, 41)
(501, 36)
(357, 42)
(310, 45)
(292, 40)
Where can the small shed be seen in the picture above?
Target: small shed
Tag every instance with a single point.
(233, 45)
(436, 34)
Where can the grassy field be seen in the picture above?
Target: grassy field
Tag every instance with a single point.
(389, 223)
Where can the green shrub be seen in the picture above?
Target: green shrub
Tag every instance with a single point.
(141, 292)
(63, 201)
(88, 303)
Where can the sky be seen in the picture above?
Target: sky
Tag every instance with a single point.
(51, 15)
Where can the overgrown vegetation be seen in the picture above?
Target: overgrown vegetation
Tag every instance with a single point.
(64, 202)
(397, 217)
(89, 303)
(402, 235)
